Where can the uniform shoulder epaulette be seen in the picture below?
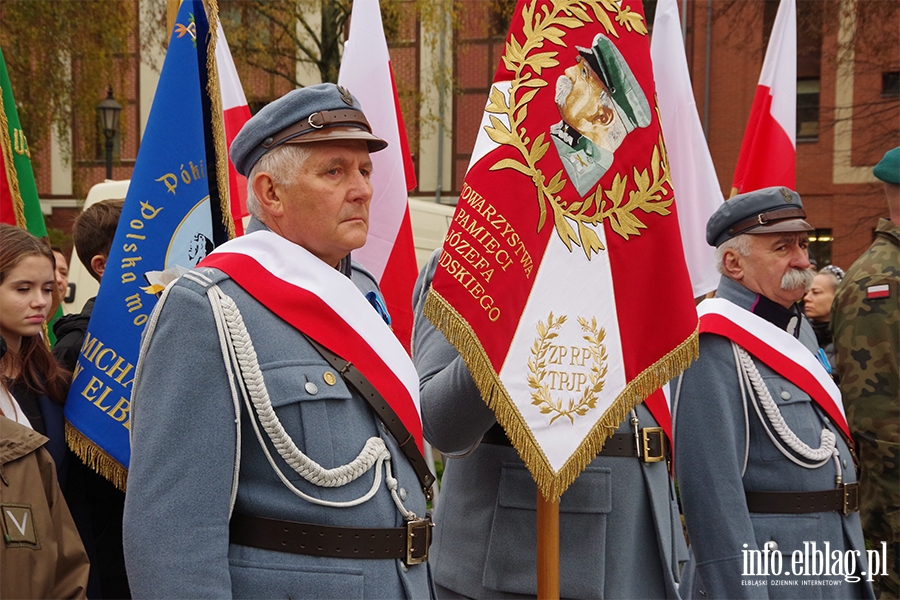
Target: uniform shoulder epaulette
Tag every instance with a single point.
(205, 277)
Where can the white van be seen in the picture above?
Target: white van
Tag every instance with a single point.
(82, 285)
(430, 222)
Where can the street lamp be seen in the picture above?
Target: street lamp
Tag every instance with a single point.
(108, 110)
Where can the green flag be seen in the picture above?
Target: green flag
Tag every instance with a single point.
(19, 204)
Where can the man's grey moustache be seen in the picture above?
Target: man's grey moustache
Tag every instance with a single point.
(564, 87)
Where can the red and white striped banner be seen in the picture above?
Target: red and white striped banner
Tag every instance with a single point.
(562, 281)
(769, 150)
(389, 253)
(236, 113)
(325, 305)
(693, 173)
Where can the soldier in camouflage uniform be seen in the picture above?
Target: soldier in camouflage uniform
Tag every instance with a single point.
(866, 321)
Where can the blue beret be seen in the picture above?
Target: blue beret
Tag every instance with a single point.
(888, 169)
(769, 210)
(311, 114)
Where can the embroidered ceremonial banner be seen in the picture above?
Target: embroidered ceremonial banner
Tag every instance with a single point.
(19, 203)
(325, 305)
(173, 217)
(562, 282)
(782, 352)
(389, 253)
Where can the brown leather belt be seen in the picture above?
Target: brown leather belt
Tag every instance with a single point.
(409, 543)
(653, 441)
(844, 499)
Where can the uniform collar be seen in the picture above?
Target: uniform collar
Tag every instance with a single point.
(256, 225)
(786, 319)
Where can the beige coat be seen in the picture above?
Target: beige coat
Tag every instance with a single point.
(41, 554)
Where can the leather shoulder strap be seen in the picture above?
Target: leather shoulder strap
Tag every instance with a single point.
(356, 380)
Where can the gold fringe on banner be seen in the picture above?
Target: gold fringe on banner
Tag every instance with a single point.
(551, 484)
(11, 174)
(218, 123)
(94, 457)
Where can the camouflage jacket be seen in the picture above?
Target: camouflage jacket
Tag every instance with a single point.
(865, 318)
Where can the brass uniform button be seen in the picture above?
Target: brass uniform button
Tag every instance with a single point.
(329, 378)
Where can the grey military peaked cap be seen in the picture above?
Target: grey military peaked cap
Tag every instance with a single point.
(769, 210)
(311, 114)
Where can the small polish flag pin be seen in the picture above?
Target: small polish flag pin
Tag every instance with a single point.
(877, 291)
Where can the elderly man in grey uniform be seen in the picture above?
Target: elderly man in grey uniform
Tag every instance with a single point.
(765, 472)
(259, 468)
(620, 532)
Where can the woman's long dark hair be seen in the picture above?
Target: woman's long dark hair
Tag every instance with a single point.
(36, 366)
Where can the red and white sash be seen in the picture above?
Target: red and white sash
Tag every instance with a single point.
(779, 350)
(325, 305)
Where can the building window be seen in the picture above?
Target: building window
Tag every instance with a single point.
(807, 110)
(820, 242)
(890, 84)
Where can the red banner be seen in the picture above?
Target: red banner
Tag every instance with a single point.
(562, 280)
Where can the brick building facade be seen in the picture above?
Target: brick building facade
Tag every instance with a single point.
(848, 104)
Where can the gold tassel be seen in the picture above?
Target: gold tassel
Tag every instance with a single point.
(218, 123)
(551, 485)
(11, 174)
(94, 457)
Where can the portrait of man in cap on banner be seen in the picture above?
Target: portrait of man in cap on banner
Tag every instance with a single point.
(600, 102)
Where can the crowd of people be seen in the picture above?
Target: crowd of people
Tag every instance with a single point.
(277, 449)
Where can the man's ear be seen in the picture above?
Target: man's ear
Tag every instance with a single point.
(733, 264)
(98, 264)
(268, 196)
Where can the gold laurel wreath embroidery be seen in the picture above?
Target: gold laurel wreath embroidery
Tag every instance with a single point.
(607, 204)
(537, 369)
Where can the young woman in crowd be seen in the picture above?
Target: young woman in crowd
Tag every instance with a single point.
(29, 371)
(41, 554)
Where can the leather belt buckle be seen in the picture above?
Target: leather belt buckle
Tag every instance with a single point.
(418, 540)
(851, 498)
(651, 434)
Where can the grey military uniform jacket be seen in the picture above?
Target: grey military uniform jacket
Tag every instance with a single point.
(620, 533)
(176, 525)
(712, 435)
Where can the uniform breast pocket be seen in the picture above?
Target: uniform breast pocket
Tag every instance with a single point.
(312, 402)
(510, 565)
(793, 410)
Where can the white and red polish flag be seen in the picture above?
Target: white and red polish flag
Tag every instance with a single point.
(389, 253)
(236, 112)
(693, 173)
(562, 281)
(769, 150)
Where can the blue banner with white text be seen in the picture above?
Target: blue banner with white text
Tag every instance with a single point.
(168, 224)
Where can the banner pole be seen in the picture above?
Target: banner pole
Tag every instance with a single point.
(547, 548)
